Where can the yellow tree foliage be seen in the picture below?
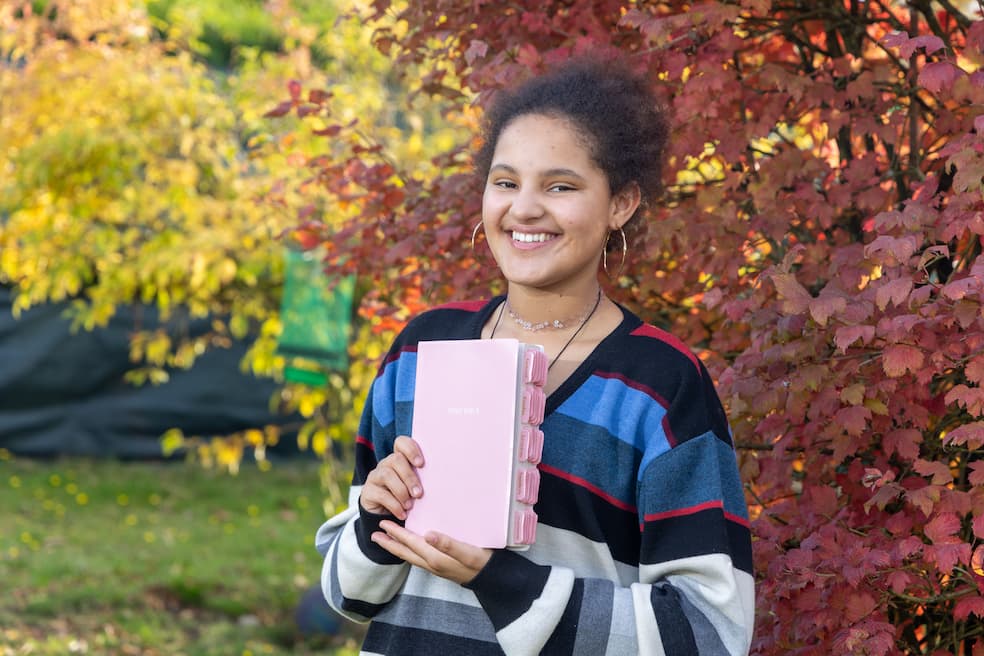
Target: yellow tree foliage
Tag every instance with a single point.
(131, 173)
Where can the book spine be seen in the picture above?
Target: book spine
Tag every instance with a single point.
(529, 447)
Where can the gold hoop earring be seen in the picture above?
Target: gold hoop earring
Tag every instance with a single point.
(604, 254)
(475, 233)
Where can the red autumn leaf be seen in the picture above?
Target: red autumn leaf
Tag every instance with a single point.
(938, 76)
(966, 312)
(854, 420)
(924, 498)
(978, 527)
(319, 96)
(308, 110)
(476, 50)
(976, 476)
(903, 441)
(895, 39)
(942, 528)
(399, 252)
(939, 471)
(970, 604)
(899, 248)
(845, 336)
(825, 306)
(898, 580)
(975, 369)
(899, 358)
(971, 398)
(958, 289)
(795, 298)
(528, 56)
(970, 435)
(859, 606)
(930, 42)
(893, 291)
(330, 131)
(294, 88)
(948, 555)
(884, 496)
(279, 110)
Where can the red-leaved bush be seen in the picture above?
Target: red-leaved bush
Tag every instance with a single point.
(819, 244)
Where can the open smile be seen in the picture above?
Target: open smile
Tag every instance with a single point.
(532, 237)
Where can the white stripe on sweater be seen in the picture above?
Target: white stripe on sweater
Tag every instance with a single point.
(527, 635)
(716, 589)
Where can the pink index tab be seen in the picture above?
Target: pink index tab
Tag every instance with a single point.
(527, 485)
(535, 369)
(530, 445)
(524, 526)
(521, 486)
(536, 446)
(533, 405)
(533, 485)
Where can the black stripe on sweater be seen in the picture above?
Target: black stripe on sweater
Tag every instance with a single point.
(395, 640)
(698, 534)
(569, 506)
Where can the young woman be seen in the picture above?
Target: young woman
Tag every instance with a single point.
(643, 543)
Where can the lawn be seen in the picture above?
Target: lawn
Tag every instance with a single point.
(102, 557)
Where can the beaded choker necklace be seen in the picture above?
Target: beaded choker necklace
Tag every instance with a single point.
(552, 324)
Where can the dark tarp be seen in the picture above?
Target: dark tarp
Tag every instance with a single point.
(63, 393)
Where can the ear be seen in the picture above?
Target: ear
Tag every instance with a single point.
(623, 205)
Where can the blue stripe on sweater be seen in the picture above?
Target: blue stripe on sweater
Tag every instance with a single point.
(696, 476)
(592, 454)
(629, 414)
(397, 378)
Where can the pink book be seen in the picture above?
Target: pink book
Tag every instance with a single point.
(477, 409)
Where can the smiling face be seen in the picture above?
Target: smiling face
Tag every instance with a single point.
(547, 207)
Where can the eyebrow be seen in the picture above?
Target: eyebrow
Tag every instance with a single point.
(549, 173)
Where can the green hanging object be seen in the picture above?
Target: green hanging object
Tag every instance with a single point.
(316, 312)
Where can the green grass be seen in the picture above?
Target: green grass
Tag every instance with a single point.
(102, 557)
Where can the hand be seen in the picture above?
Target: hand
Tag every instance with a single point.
(437, 553)
(393, 485)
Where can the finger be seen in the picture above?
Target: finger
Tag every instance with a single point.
(417, 550)
(376, 499)
(400, 550)
(393, 474)
(400, 464)
(410, 450)
(467, 554)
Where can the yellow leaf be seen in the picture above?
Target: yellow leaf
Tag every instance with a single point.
(876, 406)
(853, 394)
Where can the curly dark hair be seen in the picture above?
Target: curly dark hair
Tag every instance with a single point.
(613, 110)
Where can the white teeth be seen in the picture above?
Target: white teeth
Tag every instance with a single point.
(531, 237)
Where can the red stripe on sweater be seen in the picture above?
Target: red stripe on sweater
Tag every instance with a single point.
(594, 489)
(681, 512)
(645, 330)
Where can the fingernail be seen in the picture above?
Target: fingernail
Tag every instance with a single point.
(418, 462)
(415, 491)
(408, 504)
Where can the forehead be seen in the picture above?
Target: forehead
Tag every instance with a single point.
(543, 141)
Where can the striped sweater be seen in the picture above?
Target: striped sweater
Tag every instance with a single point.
(643, 544)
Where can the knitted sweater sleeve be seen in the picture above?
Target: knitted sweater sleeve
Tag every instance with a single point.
(359, 577)
(694, 593)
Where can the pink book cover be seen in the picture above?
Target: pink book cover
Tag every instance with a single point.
(467, 419)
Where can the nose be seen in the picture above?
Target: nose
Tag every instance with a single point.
(526, 203)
